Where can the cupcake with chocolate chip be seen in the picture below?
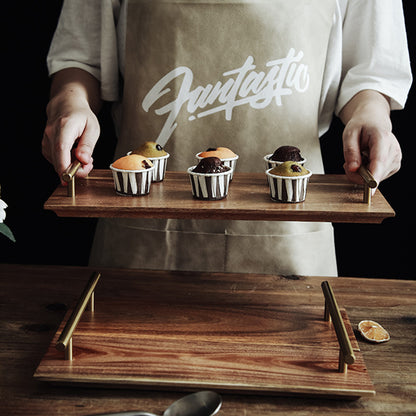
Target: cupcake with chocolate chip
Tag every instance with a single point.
(157, 155)
(132, 175)
(227, 156)
(284, 154)
(288, 182)
(210, 179)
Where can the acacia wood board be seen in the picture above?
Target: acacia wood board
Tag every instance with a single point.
(193, 331)
(330, 198)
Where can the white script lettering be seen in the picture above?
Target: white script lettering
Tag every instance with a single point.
(243, 86)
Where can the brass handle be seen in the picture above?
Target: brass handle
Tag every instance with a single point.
(367, 176)
(70, 172)
(331, 308)
(369, 183)
(69, 176)
(66, 335)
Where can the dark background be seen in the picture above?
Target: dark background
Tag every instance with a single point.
(27, 180)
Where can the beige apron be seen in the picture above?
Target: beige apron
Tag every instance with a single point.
(245, 74)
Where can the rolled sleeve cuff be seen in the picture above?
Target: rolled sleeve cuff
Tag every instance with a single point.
(396, 93)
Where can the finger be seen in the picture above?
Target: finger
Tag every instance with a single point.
(49, 153)
(48, 150)
(63, 152)
(384, 157)
(377, 160)
(86, 144)
(351, 148)
(65, 133)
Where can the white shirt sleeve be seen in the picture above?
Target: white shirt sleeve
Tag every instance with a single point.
(374, 51)
(86, 38)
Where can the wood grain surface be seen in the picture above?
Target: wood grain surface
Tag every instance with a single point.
(206, 339)
(34, 300)
(329, 198)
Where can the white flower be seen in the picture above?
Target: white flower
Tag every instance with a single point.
(3, 207)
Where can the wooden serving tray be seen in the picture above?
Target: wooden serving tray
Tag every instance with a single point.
(329, 198)
(228, 332)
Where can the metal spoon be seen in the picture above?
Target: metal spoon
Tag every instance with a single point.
(202, 403)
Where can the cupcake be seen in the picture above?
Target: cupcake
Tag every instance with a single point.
(132, 175)
(210, 179)
(158, 156)
(283, 154)
(288, 182)
(227, 156)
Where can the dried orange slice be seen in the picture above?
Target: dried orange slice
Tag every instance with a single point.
(373, 331)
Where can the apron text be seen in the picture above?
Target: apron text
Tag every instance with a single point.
(244, 86)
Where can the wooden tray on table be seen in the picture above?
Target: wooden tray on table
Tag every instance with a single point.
(245, 333)
(330, 198)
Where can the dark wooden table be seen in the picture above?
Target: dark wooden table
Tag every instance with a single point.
(34, 299)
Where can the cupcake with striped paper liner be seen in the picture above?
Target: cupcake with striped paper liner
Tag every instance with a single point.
(227, 156)
(132, 175)
(157, 155)
(210, 179)
(283, 154)
(288, 182)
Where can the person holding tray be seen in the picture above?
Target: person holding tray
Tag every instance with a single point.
(247, 75)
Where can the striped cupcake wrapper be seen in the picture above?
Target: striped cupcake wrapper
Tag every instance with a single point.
(209, 186)
(132, 183)
(160, 164)
(288, 189)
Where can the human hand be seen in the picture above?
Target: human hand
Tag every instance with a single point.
(71, 131)
(368, 138)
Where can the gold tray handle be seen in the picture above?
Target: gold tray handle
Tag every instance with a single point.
(346, 353)
(369, 183)
(69, 176)
(64, 342)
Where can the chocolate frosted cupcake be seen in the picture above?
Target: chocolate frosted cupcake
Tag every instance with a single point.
(132, 175)
(210, 179)
(157, 155)
(227, 156)
(284, 154)
(288, 182)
